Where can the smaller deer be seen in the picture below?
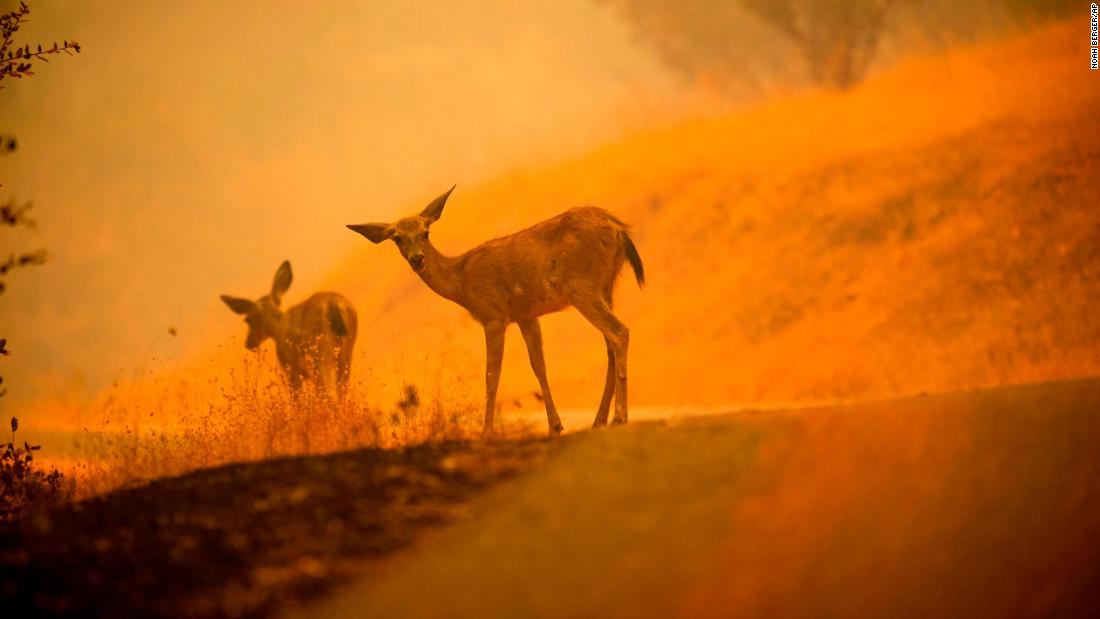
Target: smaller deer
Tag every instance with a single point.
(572, 259)
(313, 340)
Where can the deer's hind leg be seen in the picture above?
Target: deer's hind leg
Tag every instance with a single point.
(532, 336)
(343, 372)
(608, 388)
(597, 311)
(609, 381)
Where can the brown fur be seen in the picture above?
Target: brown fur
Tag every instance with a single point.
(314, 339)
(571, 259)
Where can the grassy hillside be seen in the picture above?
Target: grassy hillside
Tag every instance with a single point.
(930, 230)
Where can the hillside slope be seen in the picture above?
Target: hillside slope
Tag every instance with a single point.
(931, 230)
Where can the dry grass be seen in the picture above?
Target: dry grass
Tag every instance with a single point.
(246, 412)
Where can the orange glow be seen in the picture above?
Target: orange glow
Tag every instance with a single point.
(817, 247)
(857, 251)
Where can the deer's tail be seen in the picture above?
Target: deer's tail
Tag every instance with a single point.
(336, 321)
(634, 259)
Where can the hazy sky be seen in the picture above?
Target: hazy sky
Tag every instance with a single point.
(194, 145)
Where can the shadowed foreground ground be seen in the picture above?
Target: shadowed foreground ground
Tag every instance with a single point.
(979, 504)
(245, 539)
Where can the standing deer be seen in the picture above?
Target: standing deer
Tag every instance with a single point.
(571, 259)
(313, 340)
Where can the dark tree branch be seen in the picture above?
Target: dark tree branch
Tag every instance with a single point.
(14, 214)
(18, 61)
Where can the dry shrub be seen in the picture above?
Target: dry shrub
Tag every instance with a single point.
(24, 486)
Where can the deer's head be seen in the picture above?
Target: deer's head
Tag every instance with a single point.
(263, 316)
(410, 233)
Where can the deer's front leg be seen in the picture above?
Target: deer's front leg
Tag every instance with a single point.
(532, 336)
(494, 354)
(293, 378)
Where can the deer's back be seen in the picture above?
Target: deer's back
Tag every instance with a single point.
(530, 272)
(325, 317)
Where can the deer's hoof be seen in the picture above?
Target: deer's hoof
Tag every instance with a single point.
(556, 429)
(618, 421)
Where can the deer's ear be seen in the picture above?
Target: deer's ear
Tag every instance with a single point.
(375, 233)
(238, 305)
(283, 277)
(435, 209)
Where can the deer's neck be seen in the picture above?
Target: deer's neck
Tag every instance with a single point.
(441, 274)
(280, 330)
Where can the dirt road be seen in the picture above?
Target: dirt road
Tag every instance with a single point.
(977, 504)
